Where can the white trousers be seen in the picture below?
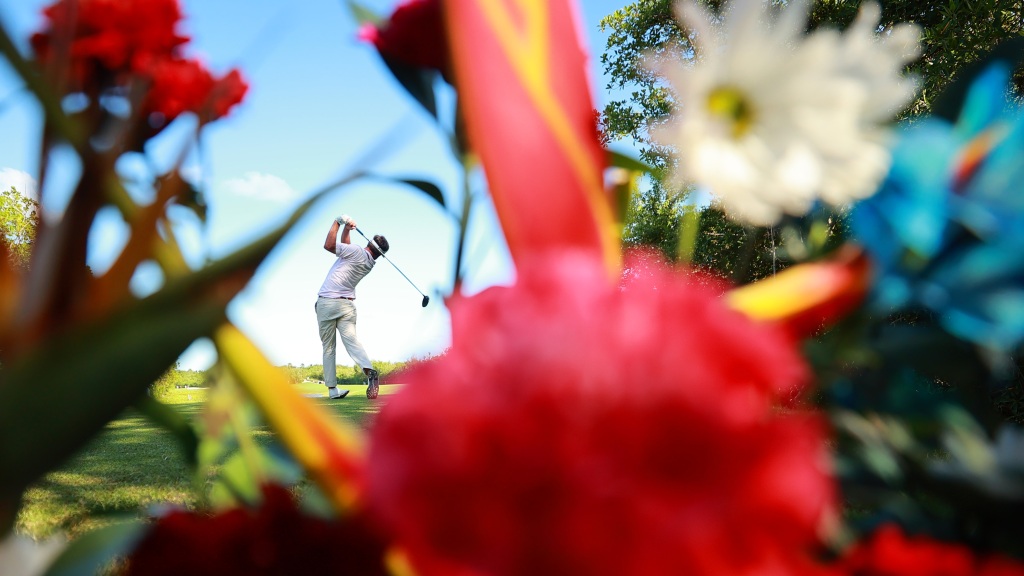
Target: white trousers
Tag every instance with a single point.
(338, 315)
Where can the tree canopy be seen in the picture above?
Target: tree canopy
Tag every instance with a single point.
(954, 34)
(19, 218)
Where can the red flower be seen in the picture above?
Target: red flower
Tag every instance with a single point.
(579, 428)
(113, 42)
(275, 539)
(112, 36)
(178, 86)
(187, 86)
(888, 552)
(227, 92)
(413, 36)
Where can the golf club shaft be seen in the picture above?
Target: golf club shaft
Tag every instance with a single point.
(381, 252)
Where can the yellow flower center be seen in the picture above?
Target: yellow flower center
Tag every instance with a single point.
(733, 108)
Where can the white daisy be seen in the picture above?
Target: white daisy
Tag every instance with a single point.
(770, 119)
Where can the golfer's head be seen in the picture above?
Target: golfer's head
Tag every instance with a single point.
(379, 241)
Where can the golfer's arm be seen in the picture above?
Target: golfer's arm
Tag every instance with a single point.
(345, 235)
(331, 243)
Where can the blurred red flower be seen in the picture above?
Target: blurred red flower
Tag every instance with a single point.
(115, 36)
(178, 86)
(414, 36)
(577, 427)
(187, 86)
(274, 539)
(889, 552)
(110, 43)
(227, 92)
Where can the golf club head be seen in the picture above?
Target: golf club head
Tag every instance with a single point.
(425, 300)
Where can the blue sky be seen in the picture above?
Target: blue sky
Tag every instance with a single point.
(317, 98)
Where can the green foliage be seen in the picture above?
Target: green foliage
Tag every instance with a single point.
(19, 219)
(299, 374)
(735, 252)
(954, 35)
(134, 464)
(653, 219)
(175, 378)
(644, 27)
(724, 248)
(1008, 399)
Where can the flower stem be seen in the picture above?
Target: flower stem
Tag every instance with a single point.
(467, 204)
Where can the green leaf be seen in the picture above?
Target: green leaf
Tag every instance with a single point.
(418, 82)
(362, 14)
(193, 199)
(102, 366)
(90, 552)
(172, 421)
(620, 160)
(236, 484)
(314, 503)
(428, 188)
(279, 466)
(99, 369)
(240, 477)
(949, 103)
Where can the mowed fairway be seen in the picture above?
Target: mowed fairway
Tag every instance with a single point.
(133, 464)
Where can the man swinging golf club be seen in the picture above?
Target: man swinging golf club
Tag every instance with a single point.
(335, 306)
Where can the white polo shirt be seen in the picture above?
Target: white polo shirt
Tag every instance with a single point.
(353, 263)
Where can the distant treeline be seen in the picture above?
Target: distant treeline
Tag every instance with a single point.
(176, 378)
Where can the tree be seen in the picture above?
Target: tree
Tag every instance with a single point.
(653, 219)
(656, 217)
(954, 34)
(19, 218)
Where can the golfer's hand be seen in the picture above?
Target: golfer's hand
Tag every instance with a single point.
(350, 224)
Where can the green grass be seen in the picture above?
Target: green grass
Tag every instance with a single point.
(134, 464)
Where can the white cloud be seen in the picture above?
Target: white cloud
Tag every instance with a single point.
(23, 181)
(262, 186)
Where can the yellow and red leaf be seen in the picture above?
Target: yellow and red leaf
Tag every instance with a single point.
(329, 449)
(520, 69)
(807, 297)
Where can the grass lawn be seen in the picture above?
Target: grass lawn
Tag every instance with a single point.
(134, 464)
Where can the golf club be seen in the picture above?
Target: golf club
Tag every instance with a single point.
(381, 252)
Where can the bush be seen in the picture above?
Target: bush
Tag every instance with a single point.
(175, 378)
(390, 373)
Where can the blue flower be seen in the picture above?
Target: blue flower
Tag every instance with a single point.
(946, 229)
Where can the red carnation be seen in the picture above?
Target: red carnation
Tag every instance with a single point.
(274, 539)
(889, 552)
(576, 427)
(414, 35)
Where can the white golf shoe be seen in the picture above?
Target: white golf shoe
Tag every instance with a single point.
(335, 394)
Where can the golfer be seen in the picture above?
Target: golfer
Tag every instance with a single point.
(336, 308)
